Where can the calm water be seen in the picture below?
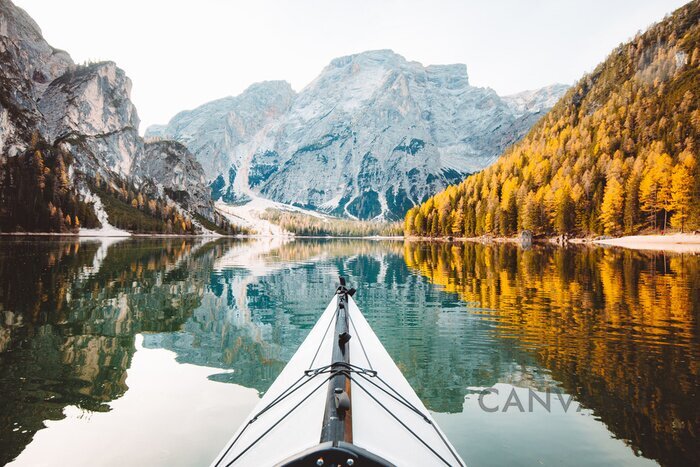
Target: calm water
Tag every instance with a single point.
(139, 352)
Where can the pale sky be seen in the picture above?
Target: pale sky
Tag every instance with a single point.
(180, 54)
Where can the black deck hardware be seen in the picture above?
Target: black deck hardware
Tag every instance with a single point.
(337, 418)
(342, 340)
(343, 454)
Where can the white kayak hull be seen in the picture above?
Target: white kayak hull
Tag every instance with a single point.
(384, 423)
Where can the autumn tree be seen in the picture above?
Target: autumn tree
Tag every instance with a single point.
(634, 125)
(681, 185)
(611, 209)
(563, 211)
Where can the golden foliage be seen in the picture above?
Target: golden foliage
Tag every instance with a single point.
(634, 120)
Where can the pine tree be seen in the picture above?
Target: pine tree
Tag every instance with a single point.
(434, 225)
(409, 220)
(611, 209)
(648, 199)
(457, 220)
(419, 224)
(662, 172)
(631, 214)
(564, 215)
(681, 185)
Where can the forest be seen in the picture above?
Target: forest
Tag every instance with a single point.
(130, 209)
(616, 155)
(308, 225)
(36, 194)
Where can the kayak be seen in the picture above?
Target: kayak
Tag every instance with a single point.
(340, 401)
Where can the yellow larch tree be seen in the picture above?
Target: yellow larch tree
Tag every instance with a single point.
(611, 209)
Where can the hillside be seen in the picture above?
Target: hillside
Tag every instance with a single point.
(617, 154)
(70, 154)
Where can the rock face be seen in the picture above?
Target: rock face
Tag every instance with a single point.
(177, 174)
(36, 60)
(536, 101)
(88, 111)
(370, 137)
(29, 64)
(85, 111)
(223, 132)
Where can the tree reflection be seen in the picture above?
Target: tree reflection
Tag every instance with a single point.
(70, 311)
(618, 328)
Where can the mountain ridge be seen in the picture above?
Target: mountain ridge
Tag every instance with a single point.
(380, 132)
(68, 142)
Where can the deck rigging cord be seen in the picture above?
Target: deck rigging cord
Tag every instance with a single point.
(338, 375)
(347, 370)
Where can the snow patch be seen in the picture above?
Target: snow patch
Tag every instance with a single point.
(107, 230)
(249, 215)
(100, 255)
(205, 232)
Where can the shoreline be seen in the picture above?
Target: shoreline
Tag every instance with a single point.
(214, 235)
(675, 242)
(110, 235)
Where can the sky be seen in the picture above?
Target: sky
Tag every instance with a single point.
(180, 54)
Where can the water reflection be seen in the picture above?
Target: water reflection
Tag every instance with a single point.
(616, 329)
(69, 313)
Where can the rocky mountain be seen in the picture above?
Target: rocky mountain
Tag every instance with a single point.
(87, 111)
(537, 101)
(222, 133)
(371, 136)
(85, 108)
(29, 64)
(69, 143)
(178, 174)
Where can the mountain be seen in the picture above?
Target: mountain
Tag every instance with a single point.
(221, 132)
(536, 101)
(87, 111)
(29, 64)
(370, 137)
(69, 144)
(178, 174)
(617, 154)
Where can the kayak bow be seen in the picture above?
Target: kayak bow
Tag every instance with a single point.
(340, 401)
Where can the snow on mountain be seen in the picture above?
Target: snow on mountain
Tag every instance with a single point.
(370, 137)
(85, 111)
(536, 100)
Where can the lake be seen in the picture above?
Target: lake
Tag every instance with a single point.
(153, 351)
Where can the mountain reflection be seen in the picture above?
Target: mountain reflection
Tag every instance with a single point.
(69, 313)
(617, 328)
